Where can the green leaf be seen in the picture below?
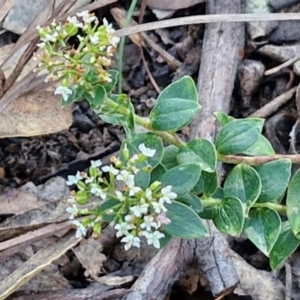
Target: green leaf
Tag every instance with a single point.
(157, 173)
(208, 213)
(180, 96)
(284, 247)
(114, 79)
(151, 141)
(183, 88)
(108, 204)
(169, 159)
(293, 203)
(223, 118)
(142, 179)
(275, 177)
(198, 188)
(165, 117)
(210, 183)
(99, 96)
(262, 228)
(164, 241)
(261, 147)
(237, 136)
(229, 216)
(243, 182)
(200, 151)
(182, 178)
(192, 201)
(185, 223)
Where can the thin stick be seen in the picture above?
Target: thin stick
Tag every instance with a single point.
(273, 105)
(208, 19)
(284, 65)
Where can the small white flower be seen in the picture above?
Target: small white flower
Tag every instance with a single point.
(81, 230)
(110, 169)
(148, 223)
(134, 190)
(74, 179)
(120, 196)
(146, 151)
(114, 40)
(108, 26)
(98, 192)
(41, 45)
(168, 196)
(153, 238)
(129, 218)
(89, 180)
(130, 181)
(75, 22)
(163, 219)
(86, 16)
(138, 210)
(73, 211)
(64, 91)
(94, 39)
(130, 240)
(123, 175)
(96, 163)
(122, 229)
(71, 200)
(50, 37)
(158, 207)
(38, 28)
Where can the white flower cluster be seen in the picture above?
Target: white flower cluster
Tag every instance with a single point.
(67, 64)
(143, 211)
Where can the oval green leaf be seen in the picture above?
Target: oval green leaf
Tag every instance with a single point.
(185, 223)
(284, 247)
(223, 118)
(182, 178)
(199, 151)
(261, 147)
(183, 88)
(237, 136)
(151, 141)
(165, 117)
(229, 216)
(210, 183)
(192, 201)
(275, 177)
(169, 160)
(262, 228)
(293, 203)
(243, 182)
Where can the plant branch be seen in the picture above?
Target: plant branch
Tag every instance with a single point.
(257, 160)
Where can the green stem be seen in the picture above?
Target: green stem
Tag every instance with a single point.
(122, 44)
(278, 207)
(257, 160)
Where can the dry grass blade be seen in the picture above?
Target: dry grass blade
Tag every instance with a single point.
(33, 236)
(120, 16)
(5, 7)
(208, 19)
(36, 264)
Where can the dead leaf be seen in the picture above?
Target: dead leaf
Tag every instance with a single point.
(90, 256)
(14, 201)
(36, 264)
(172, 4)
(34, 114)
